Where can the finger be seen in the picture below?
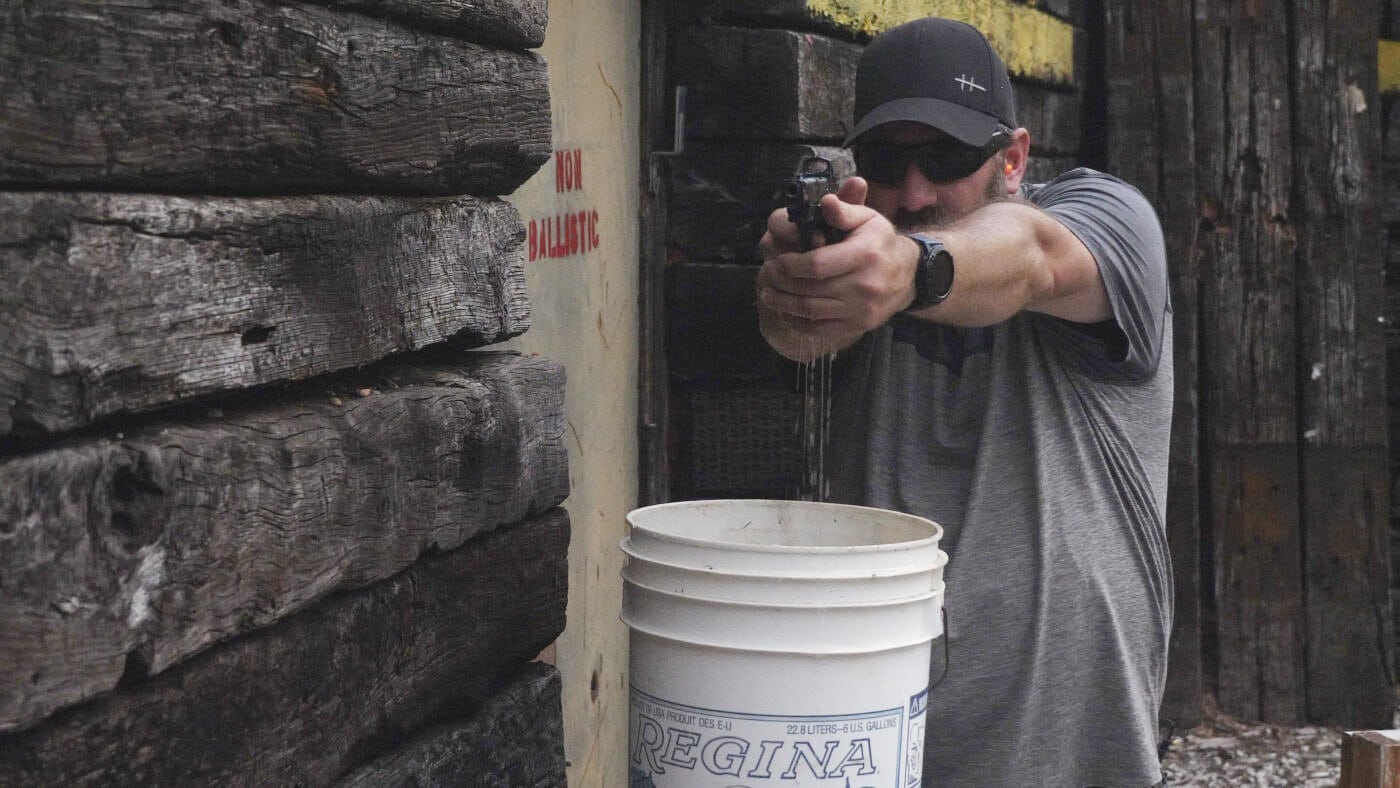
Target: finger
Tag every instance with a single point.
(853, 190)
(805, 307)
(796, 285)
(822, 262)
(781, 232)
(845, 216)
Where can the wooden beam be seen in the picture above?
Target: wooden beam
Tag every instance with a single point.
(129, 552)
(259, 97)
(1033, 44)
(516, 738)
(306, 701)
(1341, 302)
(511, 23)
(1053, 118)
(766, 84)
(1246, 249)
(1370, 759)
(116, 303)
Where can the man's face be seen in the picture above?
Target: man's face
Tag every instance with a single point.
(915, 203)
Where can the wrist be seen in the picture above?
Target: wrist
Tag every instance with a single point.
(910, 252)
(933, 273)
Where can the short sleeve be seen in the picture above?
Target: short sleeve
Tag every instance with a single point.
(1120, 229)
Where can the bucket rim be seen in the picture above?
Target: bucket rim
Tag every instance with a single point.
(934, 538)
(831, 652)
(912, 599)
(940, 562)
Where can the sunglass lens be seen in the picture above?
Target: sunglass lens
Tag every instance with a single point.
(940, 162)
(882, 163)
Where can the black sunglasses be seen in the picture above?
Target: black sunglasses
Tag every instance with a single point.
(942, 161)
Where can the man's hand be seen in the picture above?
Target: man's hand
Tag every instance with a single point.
(833, 294)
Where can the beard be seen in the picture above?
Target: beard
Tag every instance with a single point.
(935, 216)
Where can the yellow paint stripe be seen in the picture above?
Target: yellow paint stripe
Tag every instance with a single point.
(1031, 42)
(1388, 61)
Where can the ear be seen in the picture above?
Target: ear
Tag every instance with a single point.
(1017, 157)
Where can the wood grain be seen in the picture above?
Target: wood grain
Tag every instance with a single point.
(127, 553)
(304, 702)
(259, 97)
(1246, 246)
(766, 84)
(112, 303)
(511, 23)
(515, 739)
(1342, 344)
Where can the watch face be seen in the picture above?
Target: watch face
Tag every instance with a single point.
(940, 273)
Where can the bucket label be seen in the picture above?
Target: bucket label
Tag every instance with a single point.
(677, 745)
(914, 750)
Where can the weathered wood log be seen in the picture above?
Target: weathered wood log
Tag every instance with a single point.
(1370, 759)
(511, 23)
(1390, 149)
(1246, 248)
(1149, 70)
(516, 739)
(255, 96)
(1342, 407)
(1052, 117)
(653, 383)
(303, 702)
(1033, 43)
(723, 192)
(112, 303)
(1043, 168)
(713, 326)
(133, 551)
(766, 84)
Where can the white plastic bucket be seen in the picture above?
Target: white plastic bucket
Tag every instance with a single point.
(779, 643)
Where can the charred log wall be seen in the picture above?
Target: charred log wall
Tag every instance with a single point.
(266, 515)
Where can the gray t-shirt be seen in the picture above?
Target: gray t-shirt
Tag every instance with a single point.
(1041, 447)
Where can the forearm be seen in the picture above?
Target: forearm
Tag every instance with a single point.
(1010, 257)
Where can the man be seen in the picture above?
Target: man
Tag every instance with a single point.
(1004, 369)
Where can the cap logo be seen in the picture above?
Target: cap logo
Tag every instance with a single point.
(969, 84)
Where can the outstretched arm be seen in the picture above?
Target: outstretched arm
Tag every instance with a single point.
(1009, 256)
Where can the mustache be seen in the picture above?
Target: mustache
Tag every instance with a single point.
(923, 219)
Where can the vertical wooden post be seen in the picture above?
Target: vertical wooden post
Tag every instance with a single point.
(1249, 350)
(1370, 759)
(1342, 362)
(653, 471)
(1150, 137)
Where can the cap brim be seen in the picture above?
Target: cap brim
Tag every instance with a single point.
(966, 125)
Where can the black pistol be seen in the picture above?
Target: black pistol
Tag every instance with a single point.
(815, 179)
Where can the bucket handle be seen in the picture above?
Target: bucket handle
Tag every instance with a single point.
(944, 612)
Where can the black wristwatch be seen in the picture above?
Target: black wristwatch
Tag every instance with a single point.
(933, 277)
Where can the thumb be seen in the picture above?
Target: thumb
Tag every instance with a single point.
(846, 216)
(853, 190)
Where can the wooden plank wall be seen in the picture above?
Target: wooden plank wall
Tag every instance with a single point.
(1253, 131)
(734, 402)
(265, 519)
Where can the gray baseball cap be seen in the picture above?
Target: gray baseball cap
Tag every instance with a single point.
(939, 72)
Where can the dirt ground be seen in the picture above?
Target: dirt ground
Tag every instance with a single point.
(1225, 752)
